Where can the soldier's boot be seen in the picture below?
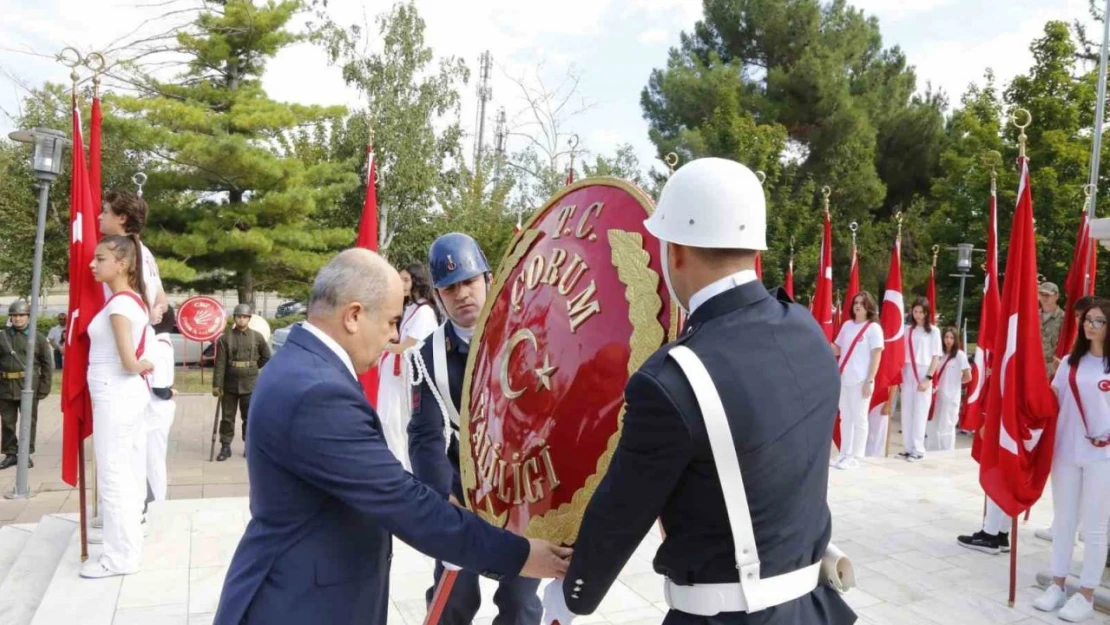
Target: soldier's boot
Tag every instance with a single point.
(9, 461)
(225, 453)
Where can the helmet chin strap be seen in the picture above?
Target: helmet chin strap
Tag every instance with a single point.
(664, 258)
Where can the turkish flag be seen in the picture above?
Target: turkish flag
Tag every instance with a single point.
(86, 298)
(759, 265)
(94, 154)
(846, 313)
(1080, 282)
(823, 294)
(893, 319)
(368, 238)
(988, 322)
(1020, 422)
(788, 283)
(931, 294)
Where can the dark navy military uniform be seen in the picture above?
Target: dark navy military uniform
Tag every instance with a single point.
(778, 382)
(516, 599)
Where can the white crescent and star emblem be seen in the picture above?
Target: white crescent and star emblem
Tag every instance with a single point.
(78, 232)
(543, 373)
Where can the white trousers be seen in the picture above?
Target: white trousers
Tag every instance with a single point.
(877, 426)
(394, 407)
(940, 433)
(853, 420)
(996, 520)
(159, 420)
(915, 412)
(1080, 492)
(119, 441)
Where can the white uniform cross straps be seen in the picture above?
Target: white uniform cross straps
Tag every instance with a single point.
(753, 593)
(439, 362)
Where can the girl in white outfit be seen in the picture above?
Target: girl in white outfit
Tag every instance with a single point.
(923, 352)
(160, 411)
(859, 348)
(394, 403)
(954, 372)
(120, 396)
(1081, 467)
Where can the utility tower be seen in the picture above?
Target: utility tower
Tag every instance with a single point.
(485, 94)
(500, 138)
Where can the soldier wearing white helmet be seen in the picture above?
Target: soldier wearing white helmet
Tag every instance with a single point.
(727, 432)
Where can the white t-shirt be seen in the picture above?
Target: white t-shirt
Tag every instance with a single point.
(152, 280)
(926, 346)
(1094, 389)
(951, 374)
(160, 353)
(102, 341)
(855, 372)
(418, 322)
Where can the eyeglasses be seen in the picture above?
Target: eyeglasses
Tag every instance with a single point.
(1097, 324)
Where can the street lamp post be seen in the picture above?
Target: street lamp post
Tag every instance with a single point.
(46, 159)
(963, 266)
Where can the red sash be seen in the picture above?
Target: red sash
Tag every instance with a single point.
(913, 357)
(1082, 413)
(141, 349)
(852, 347)
(396, 358)
(936, 385)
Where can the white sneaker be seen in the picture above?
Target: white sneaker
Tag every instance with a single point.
(1077, 609)
(93, 569)
(1052, 599)
(97, 522)
(1044, 534)
(835, 462)
(849, 463)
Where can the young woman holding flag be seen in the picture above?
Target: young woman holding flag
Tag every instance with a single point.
(923, 353)
(1081, 467)
(954, 372)
(120, 395)
(859, 348)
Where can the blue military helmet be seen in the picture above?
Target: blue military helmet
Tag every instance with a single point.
(455, 257)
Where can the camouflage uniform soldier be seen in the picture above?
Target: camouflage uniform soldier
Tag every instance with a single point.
(13, 351)
(240, 353)
(1052, 319)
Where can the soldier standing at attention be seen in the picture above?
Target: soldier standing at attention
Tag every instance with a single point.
(1052, 319)
(13, 351)
(240, 353)
(726, 436)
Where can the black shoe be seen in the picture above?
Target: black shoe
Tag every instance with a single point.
(980, 541)
(1004, 542)
(30, 462)
(225, 453)
(905, 455)
(8, 461)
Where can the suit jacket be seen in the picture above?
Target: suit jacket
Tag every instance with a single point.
(426, 444)
(326, 498)
(778, 381)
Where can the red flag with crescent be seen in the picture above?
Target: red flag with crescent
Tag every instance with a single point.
(892, 316)
(988, 322)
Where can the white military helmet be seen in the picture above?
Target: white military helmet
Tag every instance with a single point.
(712, 203)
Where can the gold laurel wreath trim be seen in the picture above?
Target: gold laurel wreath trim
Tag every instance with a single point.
(641, 289)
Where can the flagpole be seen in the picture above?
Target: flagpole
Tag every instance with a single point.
(1100, 115)
(893, 392)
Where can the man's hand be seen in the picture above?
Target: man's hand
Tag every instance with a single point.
(546, 560)
(217, 392)
(868, 388)
(156, 313)
(555, 610)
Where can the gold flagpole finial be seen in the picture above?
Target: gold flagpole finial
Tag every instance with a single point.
(825, 193)
(573, 143)
(95, 61)
(72, 63)
(672, 161)
(139, 179)
(992, 160)
(898, 218)
(854, 227)
(936, 252)
(1021, 127)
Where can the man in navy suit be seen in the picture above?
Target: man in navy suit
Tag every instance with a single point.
(726, 436)
(327, 495)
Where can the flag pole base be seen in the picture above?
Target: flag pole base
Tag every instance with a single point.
(12, 494)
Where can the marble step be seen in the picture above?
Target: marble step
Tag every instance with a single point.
(13, 538)
(69, 598)
(23, 588)
(1102, 593)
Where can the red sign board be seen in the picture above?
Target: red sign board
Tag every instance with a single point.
(201, 319)
(577, 305)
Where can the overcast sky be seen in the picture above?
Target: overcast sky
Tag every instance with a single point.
(613, 44)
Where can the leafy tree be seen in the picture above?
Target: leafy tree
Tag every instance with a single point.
(233, 197)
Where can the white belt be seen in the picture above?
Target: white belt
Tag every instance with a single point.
(712, 599)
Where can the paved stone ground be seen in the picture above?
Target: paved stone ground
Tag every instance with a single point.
(898, 521)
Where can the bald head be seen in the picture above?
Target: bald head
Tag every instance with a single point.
(357, 299)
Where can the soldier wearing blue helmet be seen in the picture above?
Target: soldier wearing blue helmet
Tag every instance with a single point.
(460, 276)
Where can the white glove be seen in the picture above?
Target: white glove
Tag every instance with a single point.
(555, 610)
(451, 567)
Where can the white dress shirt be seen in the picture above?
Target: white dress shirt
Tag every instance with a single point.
(333, 346)
(707, 293)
